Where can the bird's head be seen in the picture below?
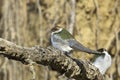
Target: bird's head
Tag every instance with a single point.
(102, 50)
(56, 29)
(61, 32)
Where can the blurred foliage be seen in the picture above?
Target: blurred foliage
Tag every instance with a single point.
(28, 23)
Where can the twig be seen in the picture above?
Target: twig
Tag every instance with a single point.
(56, 13)
(72, 16)
(72, 68)
(32, 69)
(112, 43)
(97, 22)
(40, 20)
(117, 41)
(64, 8)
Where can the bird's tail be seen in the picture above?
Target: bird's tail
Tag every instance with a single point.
(77, 46)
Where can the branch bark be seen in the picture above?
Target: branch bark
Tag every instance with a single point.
(71, 68)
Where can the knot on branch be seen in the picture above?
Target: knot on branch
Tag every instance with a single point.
(2, 48)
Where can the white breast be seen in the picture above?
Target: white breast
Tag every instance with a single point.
(103, 63)
(60, 44)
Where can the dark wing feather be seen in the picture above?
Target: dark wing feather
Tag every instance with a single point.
(77, 46)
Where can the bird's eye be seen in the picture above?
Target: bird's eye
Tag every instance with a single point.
(54, 29)
(101, 50)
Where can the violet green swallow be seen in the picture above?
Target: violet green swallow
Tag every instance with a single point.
(103, 62)
(64, 41)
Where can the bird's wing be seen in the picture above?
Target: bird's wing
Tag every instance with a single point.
(78, 46)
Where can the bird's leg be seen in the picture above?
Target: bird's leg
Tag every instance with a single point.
(69, 54)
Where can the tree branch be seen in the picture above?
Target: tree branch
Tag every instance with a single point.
(72, 68)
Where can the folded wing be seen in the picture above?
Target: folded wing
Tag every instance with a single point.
(78, 46)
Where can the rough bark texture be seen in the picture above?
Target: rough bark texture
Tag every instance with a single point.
(72, 68)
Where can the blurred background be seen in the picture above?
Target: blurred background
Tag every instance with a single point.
(94, 23)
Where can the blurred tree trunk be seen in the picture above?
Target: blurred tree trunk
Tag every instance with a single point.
(95, 23)
(14, 28)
